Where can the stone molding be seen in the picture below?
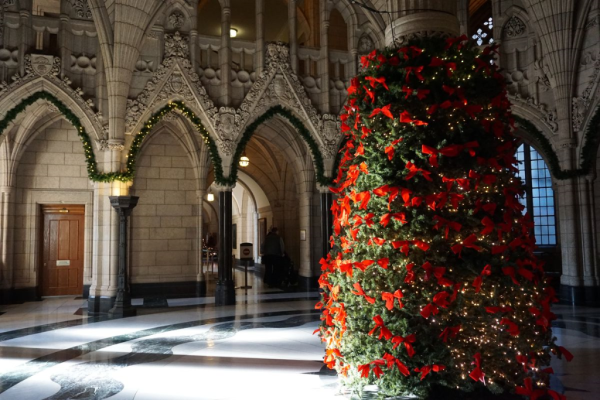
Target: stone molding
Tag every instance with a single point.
(45, 67)
(174, 79)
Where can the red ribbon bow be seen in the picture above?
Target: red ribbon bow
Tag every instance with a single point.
(440, 222)
(361, 292)
(390, 297)
(451, 331)
(374, 81)
(468, 242)
(385, 110)
(407, 340)
(413, 170)
(477, 374)
(513, 329)
(425, 370)
(384, 332)
(391, 361)
(416, 70)
(487, 271)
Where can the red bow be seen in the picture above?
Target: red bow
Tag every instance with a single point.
(468, 242)
(488, 226)
(510, 271)
(392, 191)
(390, 297)
(391, 361)
(384, 332)
(389, 150)
(416, 70)
(528, 390)
(487, 271)
(361, 292)
(449, 151)
(440, 222)
(375, 81)
(451, 331)
(383, 262)
(513, 329)
(405, 118)
(495, 310)
(413, 170)
(384, 110)
(407, 343)
(477, 375)
(428, 368)
(410, 274)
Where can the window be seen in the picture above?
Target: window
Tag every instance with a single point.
(539, 195)
(481, 23)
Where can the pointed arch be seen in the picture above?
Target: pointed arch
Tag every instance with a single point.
(138, 140)
(174, 80)
(297, 124)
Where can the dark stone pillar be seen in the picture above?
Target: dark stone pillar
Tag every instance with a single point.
(225, 291)
(326, 221)
(122, 308)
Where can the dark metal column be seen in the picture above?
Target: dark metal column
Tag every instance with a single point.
(225, 292)
(326, 221)
(122, 308)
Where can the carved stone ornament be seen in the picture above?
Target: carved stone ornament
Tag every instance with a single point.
(176, 19)
(365, 44)
(582, 103)
(226, 123)
(176, 46)
(226, 146)
(331, 133)
(42, 65)
(102, 144)
(549, 117)
(514, 27)
(115, 145)
(81, 8)
(174, 79)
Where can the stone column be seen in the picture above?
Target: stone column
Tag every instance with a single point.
(306, 273)
(200, 278)
(588, 241)
(326, 218)
(7, 222)
(259, 56)
(324, 59)
(65, 39)
(225, 291)
(422, 16)
(26, 37)
(124, 205)
(293, 34)
(225, 57)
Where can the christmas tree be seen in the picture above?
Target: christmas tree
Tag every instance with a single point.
(432, 281)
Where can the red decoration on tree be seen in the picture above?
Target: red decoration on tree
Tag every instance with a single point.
(432, 279)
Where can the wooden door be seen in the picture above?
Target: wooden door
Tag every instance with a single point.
(62, 257)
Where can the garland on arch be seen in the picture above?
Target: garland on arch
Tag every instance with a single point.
(296, 123)
(136, 145)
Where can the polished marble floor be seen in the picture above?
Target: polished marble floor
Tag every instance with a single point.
(261, 348)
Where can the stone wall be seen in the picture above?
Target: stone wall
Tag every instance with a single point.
(51, 170)
(164, 239)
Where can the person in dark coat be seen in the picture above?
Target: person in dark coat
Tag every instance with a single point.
(272, 250)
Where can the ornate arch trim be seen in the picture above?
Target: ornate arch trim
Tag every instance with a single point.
(90, 158)
(296, 123)
(136, 144)
(548, 151)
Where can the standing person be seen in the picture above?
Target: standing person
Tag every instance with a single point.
(272, 250)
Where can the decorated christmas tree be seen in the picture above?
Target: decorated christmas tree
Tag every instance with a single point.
(432, 281)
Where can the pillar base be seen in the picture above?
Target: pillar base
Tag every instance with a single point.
(225, 293)
(100, 304)
(580, 295)
(122, 312)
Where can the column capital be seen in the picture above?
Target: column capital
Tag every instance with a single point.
(7, 189)
(116, 144)
(223, 188)
(200, 193)
(323, 189)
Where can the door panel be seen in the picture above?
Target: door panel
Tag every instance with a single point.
(62, 258)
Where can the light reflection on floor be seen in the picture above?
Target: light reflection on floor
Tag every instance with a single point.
(262, 348)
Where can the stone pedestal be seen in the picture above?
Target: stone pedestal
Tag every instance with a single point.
(122, 308)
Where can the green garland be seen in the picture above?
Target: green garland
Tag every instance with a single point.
(312, 145)
(157, 117)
